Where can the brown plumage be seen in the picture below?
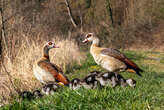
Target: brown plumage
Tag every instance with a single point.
(45, 71)
(110, 59)
(118, 55)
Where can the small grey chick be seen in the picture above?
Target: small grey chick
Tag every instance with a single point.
(26, 95)
(107, 79)
(124, 82)
(50, 88)
(131, 82)
(94, 72)
(37, 94)
(90, 81)
(75, 84)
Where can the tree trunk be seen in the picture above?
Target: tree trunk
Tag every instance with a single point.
(109, 10)
(70, 14)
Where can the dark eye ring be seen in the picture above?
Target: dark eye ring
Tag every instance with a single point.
(89, 35)
(49, 43)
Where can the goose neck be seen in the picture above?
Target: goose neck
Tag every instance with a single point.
(46, 52)
(95, 42)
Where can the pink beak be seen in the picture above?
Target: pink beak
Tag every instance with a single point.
(85, 41)
(56, 46)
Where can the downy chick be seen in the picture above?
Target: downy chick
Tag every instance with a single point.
(90, 81)
(75, 84)
(107, 79)
(50, 88)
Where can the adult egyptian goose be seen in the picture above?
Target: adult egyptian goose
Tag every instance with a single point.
(47, 72)
(110, 59)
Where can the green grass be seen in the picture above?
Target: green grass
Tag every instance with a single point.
(148, 94)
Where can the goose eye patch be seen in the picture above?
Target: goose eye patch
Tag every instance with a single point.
(89, 35)
(49, 43)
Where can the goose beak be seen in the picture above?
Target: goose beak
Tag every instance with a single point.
(85, 41)
(56, 46)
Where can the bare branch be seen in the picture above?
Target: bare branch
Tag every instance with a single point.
(70, 14)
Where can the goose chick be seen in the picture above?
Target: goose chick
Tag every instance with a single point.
(45, 71)
(124, 82)
(26, 95)
(90, 82)
(50, 88)
(131, 82)
(121, 80)
(75, 84)
(107, 79)
(37, 94)
(95, 72)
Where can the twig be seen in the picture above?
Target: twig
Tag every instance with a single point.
(70, 14)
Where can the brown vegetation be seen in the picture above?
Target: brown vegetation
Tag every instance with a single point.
(29, 24)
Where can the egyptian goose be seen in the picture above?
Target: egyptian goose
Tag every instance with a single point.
(45, 71)
(110, 59)
(51, 88)
(75, 84)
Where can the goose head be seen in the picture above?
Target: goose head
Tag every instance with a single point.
(90, 37)
(50, 45)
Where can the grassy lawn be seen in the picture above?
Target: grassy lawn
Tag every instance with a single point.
(148, 94)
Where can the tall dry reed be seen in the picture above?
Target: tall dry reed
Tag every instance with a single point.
(29, 51)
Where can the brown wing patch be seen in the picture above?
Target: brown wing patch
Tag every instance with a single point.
(118, 55)
(47, 66)
(61, 78)
(54, 70)
(113, 53)
(57, 68)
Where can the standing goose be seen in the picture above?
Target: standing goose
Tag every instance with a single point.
(110, 59)
(45, 71)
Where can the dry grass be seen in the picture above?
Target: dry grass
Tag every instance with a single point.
(20, 68)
